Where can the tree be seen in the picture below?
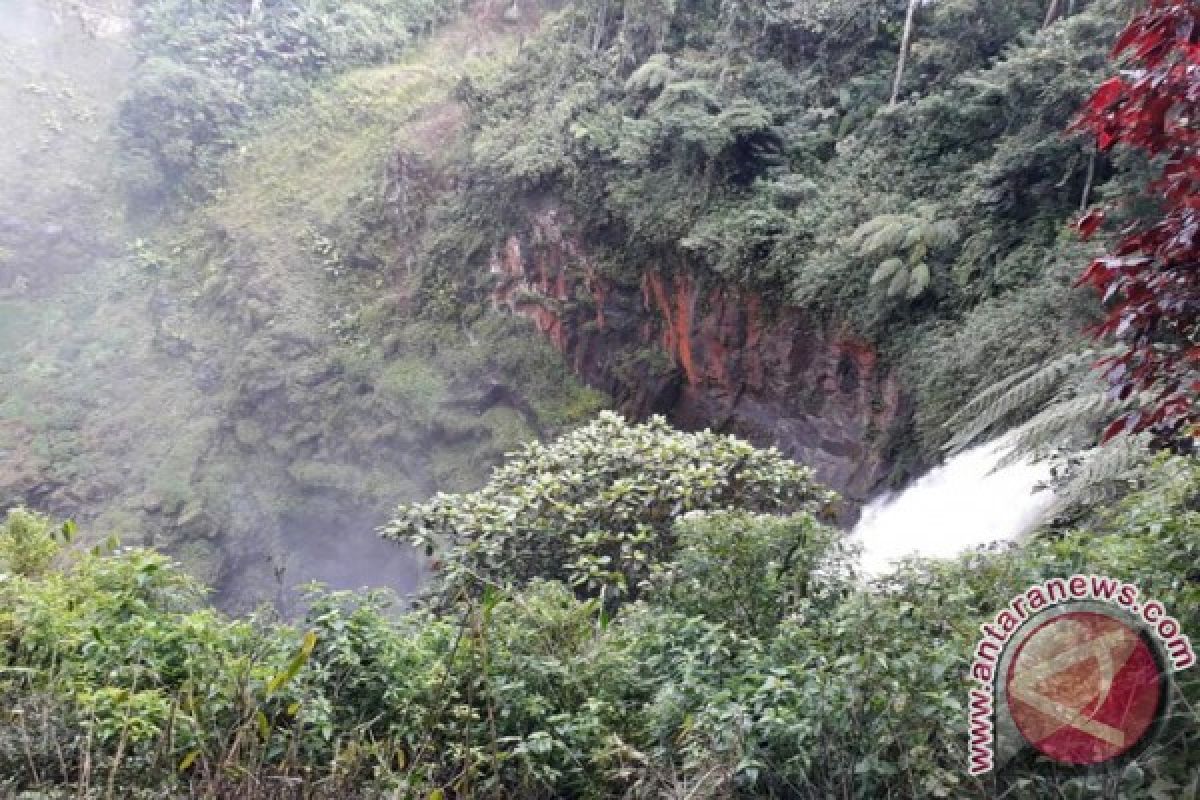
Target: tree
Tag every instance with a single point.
(886, 238)
(596, 509)
(905, 44)
(1051, 13)
(1150, 281)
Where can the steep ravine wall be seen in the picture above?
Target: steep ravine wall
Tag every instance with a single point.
(706, 356)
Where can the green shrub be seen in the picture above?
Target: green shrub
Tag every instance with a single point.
(174, 116)
(796, 682)
(595, 508)
(750, 571)
(29, 542)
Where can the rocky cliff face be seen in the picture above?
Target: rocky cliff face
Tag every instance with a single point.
(706, 356)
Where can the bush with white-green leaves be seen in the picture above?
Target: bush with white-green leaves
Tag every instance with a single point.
(596, 508)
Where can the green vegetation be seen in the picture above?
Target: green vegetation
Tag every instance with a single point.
(209, 69)
(28, 546)
(754, 663)
(297, 334)
(755, 145)
(596, 508)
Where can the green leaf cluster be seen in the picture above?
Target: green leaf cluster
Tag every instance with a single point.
(29, 542)
(754, 146)
(596, 508)
(905, 243)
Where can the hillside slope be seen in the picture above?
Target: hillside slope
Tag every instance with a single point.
(244, 382)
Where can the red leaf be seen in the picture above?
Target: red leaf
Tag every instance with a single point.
(1090, 222)
(1149, 280)
(1118, 425)
(1109, 91)
(1127, 37)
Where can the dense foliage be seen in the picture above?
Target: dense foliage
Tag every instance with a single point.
(1151, 279)
(1099, 426)
(628, 612)
(595, 509)
(755, 664)
(209, 68)
(755, 146)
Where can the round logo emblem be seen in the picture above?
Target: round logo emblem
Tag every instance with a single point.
(1085, 687)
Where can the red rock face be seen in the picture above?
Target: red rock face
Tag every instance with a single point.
(723, 361)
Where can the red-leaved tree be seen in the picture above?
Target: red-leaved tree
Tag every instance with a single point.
(1150, 281)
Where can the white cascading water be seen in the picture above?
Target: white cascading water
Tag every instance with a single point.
(963, 503)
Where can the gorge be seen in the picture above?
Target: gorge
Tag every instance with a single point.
(660, 393)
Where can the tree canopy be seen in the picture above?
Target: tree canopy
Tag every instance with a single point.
(596, 508)
(1150, 281)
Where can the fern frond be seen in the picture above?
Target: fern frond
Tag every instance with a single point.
(985, 398)
(1101, 473)
(651, 76)
(918, 280)
(943, 233)
(689, 92)
(886, 270)
(898, 283)
(869, 227)
(1025, 390)
(744, 118)
(885, 238)
(1061, 422)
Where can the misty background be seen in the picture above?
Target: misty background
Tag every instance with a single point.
(192, 370)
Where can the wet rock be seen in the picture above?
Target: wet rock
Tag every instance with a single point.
(706, 356)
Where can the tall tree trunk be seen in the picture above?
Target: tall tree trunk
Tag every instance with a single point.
(601, 24)
(1051, 13)
(1086, 199)
(905, 43)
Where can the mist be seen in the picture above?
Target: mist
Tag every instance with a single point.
(139, 402)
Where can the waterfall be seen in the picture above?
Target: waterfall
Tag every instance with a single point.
(963, 503)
